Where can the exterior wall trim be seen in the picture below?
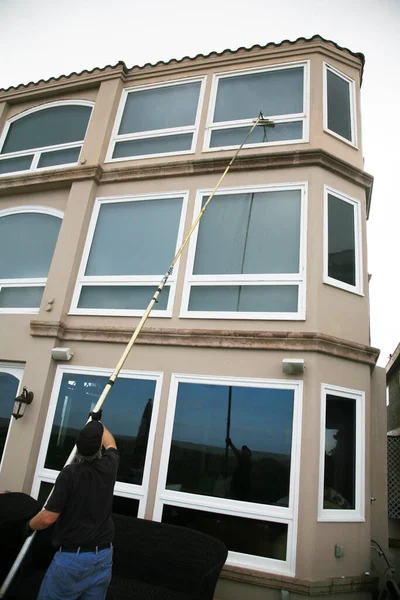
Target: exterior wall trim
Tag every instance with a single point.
(211, 338)
(249, 162)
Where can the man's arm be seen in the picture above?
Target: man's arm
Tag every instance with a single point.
(108, 440)
(43, 519)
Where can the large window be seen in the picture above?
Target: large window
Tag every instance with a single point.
(341, 484)
(230, 465)
(133, 402)
(280, 93)
(10, 380)
(342, 243)
(247, 257)
(131, 243)
(339, 105)
(28, 237)
(157, 120)
(46, 136)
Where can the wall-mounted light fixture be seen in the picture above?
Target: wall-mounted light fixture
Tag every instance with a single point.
(21, 402)
(293, 366)
(61, 354)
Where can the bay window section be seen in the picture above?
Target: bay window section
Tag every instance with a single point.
(130, 245)
(44, 137)
(342, 243)
(341, 493)
(230, 465)
(157, 120)
(280, 93)
(339, 105)
(134, 398)
(247, 257)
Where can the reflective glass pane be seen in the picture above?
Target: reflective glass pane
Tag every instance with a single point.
(125, 506)
(131, 402)
(339, 112)
(59, 157)
(272, 93)
(261, 135)
(250, 233)
(341, 241)
(340, 453)
(21, 297)
(142, 236)
(160, 108)
(27, 242)
(241, 298)
(121, 297)
(248, 536)
(48, 127)
(232, 442)
(156, 145)
(8, 391)
(44, 491)
(10, 165)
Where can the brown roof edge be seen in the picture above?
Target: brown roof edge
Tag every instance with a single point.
(121, 63)
(393, 361)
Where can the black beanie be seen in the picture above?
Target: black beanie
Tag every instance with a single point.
(89, 439)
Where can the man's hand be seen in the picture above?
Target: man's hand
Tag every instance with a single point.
(96, 416)
(26, 530)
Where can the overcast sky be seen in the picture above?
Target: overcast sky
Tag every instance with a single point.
(45, 38)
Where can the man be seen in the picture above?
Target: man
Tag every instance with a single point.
(81, 506)
(241, 479)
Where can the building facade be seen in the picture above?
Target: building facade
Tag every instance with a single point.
(102, 174)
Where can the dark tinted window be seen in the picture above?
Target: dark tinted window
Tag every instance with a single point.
(8, 390)
(341, 240)
(339, 107)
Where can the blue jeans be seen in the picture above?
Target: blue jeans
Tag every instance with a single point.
(72, 575)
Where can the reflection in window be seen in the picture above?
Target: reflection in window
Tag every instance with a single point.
(8, 391)
(339, 100)
(342, 251)
(232, 442)
(340, 453)
(248, 536)
(129, 421)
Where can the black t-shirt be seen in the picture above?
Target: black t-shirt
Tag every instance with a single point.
(83, 494)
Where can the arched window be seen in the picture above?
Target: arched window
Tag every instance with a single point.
(43, 137)
(28, 236)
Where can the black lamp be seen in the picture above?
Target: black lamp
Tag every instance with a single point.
(20, 403)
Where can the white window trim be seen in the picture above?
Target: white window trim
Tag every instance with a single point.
(37, 152)
(287, 515)
(258, 279)
(115, 137)
(353, 106)
(17, 370)
(247, 123)
(128, 280)
(343, 515)
(358, 288)
(127, 490)
(28, 281)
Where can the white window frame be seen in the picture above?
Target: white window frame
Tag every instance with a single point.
(151, 134)
(358, 288)
(353, 106)
(128, 280)
(287, 515)
(247, 123)
(37, 152)
(257, 279)
(356, 515)
(127, 490)
(27, 281)
(17, 370)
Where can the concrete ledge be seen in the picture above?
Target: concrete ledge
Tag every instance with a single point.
(212, 338)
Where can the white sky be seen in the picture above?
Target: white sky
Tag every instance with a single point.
(45, 38)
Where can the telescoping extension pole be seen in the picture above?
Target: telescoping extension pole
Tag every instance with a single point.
(259, 121)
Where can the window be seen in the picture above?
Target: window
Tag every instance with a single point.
(134, 399)
(247, 257)
(339, 105)
(43, 137)
(342, 243)
(144, 233)
(341, 483)
(10, 380)
(28, 236)
(281, 93)
(157, 120)
(230, 465)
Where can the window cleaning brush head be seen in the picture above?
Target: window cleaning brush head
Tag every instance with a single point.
(261, 120)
